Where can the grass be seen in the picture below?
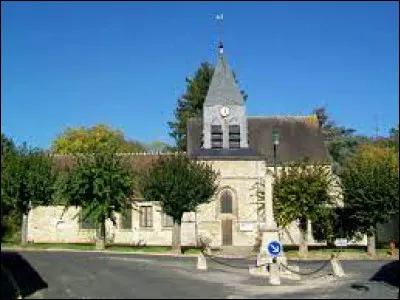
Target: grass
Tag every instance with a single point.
(50, 246)
(351, 252)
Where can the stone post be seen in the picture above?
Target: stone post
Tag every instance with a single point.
(269, 212)
(274, 276)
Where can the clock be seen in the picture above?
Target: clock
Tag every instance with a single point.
(224, 111)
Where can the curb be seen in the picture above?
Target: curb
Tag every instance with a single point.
(188, 255)
(97, 251)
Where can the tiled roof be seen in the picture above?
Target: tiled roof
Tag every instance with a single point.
(300, 137)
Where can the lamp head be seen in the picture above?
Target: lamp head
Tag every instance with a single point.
(275, 137)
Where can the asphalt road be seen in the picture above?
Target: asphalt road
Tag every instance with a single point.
(84, 275)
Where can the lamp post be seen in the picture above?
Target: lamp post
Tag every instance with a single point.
(275, 139)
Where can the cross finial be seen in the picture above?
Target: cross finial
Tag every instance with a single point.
(219, 19)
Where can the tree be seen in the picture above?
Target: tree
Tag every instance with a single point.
(93, 139)
(157, 146)
(392, 141)
(302, 192)
(370, 184)
(180, 185)
(340, 141)
(101, 184)
(9, 214)
(27, 181)
(190, 104)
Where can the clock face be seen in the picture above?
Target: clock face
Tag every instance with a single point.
(224, 111)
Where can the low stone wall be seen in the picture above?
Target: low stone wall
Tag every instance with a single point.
(52, 224)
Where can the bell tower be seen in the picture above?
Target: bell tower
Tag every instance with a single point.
(224, 110)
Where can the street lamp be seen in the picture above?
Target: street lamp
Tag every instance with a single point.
(275, 139)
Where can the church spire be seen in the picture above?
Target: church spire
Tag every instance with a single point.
(219, 19)
(224, 110)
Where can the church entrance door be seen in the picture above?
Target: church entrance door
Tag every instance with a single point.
(226, 232)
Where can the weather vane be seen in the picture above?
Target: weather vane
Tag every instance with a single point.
(219, 19)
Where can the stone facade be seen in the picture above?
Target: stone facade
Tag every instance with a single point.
(240, 178)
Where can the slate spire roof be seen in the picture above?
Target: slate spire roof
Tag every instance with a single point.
(223, 88)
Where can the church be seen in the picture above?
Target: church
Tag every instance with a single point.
(241, 148)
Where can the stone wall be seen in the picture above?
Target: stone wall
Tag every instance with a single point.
(52, 225)
(49, 224)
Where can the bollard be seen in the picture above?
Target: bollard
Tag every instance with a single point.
(337, 267)
(201, 262)
(274, 276)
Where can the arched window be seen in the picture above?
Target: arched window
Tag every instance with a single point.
(226, 202)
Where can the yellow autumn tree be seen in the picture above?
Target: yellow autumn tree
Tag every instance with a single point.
(93, 139)
(370, 185)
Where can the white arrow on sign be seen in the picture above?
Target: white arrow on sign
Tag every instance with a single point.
(275, 249)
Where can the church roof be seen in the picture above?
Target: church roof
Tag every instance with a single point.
(300, 137)
(223, 88)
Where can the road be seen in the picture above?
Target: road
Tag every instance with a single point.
(84, 275)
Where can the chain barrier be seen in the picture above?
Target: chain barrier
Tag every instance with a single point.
(307, 273)
(212, 258)
(326, 263)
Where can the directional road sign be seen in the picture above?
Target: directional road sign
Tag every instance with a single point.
(274, 248)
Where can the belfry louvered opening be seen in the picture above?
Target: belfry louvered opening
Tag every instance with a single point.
(234, 136)
(216, 136)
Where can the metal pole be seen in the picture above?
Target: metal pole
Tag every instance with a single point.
(275, 160)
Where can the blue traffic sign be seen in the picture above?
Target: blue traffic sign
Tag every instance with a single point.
(274, 248)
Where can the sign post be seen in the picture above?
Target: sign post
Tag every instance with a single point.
(274, 249)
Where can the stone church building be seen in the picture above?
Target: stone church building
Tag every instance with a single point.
(237, 145)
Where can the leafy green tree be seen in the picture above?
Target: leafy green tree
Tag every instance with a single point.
(190, 104)
(28, 180)
(9, 214)
(101, 184)
(370, 184)
(93, 139)
(7, 146)
(157, 146)
(392, 141)
(301, 193)
(340, 141)
(180, 185)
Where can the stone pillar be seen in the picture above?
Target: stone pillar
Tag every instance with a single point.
(269, 212)
(270, 232)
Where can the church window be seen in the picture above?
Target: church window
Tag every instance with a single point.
(216, 136)
(234, 136)
(146, 216)
(226, 202)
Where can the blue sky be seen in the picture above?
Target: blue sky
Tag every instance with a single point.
(125, 63)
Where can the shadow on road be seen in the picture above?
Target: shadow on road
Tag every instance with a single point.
(18, 277)
(389, 273)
